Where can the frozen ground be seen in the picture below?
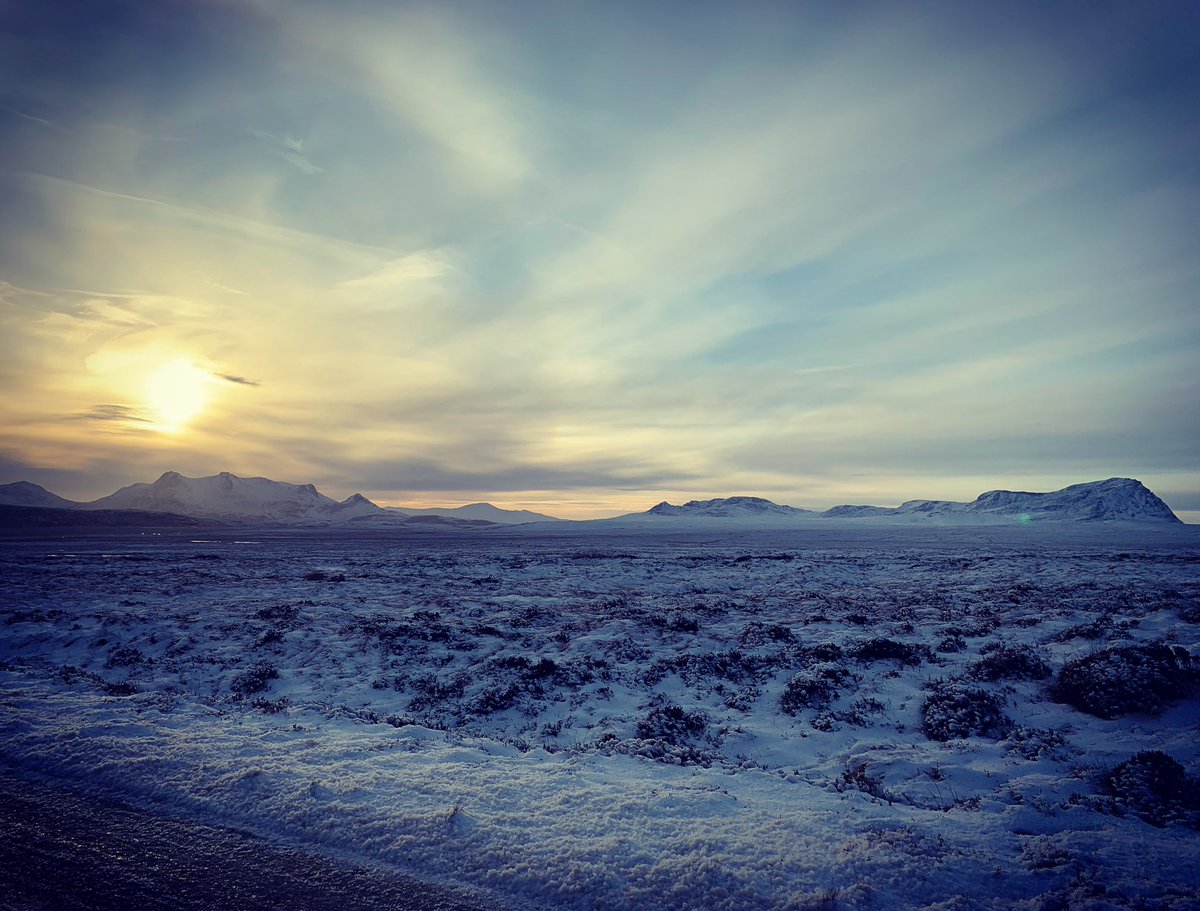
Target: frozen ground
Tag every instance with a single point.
(844, 718)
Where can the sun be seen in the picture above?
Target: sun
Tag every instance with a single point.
(176, 392)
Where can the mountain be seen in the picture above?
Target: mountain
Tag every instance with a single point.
(729, 508)
(22, 517)
(1117, 499)
(480, 511)
(25, 493)
(226, 496)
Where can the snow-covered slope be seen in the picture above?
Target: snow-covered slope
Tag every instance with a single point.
(485, 511)
(859, 718)
(1111, 500)
(1117, 499)
(25, 493)
(226, 496)
(729, 508)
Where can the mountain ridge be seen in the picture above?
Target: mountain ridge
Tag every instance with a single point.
(1114, 499)
(226, 497)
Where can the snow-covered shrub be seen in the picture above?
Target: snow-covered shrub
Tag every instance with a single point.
(856, 777)
(951, 644)
(124, 656)
(1190, 613)
(890, 650)
(1037, 743)
(757, 634)
(825, 651)
(813, 688)
(1103, 627)
(278, 613)
(1045, 852)
(954, 709)
(1123, 679)
(1009, 662)
(860, 711)
(254, 679)
(673, 724)
(1154, 787)
(434, 692)
(495, 699)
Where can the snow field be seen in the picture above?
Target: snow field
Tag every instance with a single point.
(598, 724)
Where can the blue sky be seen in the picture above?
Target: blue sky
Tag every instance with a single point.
(583, 257)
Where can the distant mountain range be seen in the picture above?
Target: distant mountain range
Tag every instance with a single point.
(1117, 499)
(224, 497)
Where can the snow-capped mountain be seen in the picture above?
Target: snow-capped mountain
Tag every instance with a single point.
(476, 511)
(1112, 500)
(729, 508)
(26, 493)
(856, 512)
(226, 496)
(1117, 499)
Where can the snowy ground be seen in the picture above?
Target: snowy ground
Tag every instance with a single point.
(705, 721)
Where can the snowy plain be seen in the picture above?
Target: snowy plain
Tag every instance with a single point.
(707, 718)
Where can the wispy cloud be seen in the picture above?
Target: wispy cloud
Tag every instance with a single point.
(30, 117)
(237, 380)
(782, 251)
(118, 413)
(290, 150)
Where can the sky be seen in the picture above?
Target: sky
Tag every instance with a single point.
(583, 257)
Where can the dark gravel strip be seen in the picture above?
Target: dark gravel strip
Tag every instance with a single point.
(61, 848)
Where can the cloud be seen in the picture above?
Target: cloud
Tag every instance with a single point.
(238, 380)
(118, 413)
(290, 150)
(732, 251)
(414, 267)
(438, 72)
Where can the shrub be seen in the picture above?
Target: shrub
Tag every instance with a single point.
(673, 724)
(955, 709)
(952, 644)
(890, 650)
(1037, 743)
(253, 680)
(1154, 787)
(812, 688)
(1120, 680)
(826, 651)
(1010, 662)
(124, 657)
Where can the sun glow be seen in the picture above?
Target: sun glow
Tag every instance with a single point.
(176, 392)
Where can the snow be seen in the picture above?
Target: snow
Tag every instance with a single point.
(1117, 499)
(25, 493)
(484, 511)
(229, 497)
(1114, 499)
(595, 721)
(226, 497)
(729, 507)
